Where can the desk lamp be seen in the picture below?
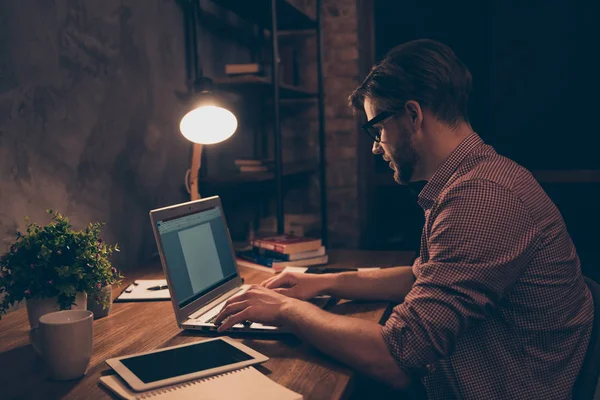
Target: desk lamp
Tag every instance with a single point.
(208, 123)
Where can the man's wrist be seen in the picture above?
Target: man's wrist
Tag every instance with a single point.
(290, 311)
(329, 283)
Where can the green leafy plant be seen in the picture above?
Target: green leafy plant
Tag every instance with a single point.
(56, 261)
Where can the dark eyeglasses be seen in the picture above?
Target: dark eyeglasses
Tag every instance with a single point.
(371, 130)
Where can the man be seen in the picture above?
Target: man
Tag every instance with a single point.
(496, 306)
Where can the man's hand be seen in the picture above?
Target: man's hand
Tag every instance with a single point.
(355, 342)
(299, 286)
(377, 284)
(257, 304)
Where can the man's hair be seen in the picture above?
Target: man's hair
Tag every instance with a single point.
(423, 70)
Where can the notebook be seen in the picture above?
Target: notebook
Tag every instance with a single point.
(246, 383)
(138, 291)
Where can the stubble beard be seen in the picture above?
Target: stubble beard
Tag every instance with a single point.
(405, 159)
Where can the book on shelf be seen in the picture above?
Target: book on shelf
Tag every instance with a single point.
(244, 69)
(294, 256)
(253, 165)
(287, 244)
(252, 162)
(253, 168)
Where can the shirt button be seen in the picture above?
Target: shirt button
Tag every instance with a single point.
(431, 368)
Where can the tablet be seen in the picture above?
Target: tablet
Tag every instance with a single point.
(182, 363)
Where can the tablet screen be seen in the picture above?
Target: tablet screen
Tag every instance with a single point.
(184, 360)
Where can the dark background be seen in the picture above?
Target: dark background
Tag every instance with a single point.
(90, 103)
(535, 98)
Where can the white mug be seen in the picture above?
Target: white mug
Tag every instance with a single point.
(66, 342)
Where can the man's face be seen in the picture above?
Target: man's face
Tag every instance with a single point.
(396, 144)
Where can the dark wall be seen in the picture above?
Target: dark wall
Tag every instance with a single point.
(463, 25)
(89, 115)
(535, 87)
(544, 83)
(534, 70)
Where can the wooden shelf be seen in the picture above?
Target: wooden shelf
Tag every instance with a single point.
(246, 82)
(259, 11)
(289, 170)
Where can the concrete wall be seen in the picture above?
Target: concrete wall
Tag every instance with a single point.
(340, 73)
(89, 114)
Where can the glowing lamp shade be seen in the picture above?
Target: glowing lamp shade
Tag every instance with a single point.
(208, 125)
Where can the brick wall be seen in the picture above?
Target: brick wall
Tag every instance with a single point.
(340, 69)
(89, 114)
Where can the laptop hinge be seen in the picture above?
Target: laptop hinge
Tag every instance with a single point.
(215, 303)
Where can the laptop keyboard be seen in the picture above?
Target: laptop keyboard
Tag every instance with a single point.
(212, 320)
(318, 301)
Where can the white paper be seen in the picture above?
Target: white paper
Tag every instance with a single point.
(141, 292)
(299, 270)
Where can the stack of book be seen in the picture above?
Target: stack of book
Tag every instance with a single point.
(274, 253)
(253, 165)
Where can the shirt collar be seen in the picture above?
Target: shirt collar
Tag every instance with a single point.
(441, 176)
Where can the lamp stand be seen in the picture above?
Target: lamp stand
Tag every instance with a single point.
(191, 176)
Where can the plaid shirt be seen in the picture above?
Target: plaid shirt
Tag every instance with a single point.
(499, 308)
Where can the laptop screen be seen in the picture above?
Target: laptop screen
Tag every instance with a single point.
(196, 248)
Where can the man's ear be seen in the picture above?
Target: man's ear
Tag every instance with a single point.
(415, 113)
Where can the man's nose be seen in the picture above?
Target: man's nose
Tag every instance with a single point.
(377, 148)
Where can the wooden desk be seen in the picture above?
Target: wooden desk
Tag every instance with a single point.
(138, 327)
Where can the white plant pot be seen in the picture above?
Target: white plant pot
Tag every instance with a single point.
(95, 307)
(37, 307)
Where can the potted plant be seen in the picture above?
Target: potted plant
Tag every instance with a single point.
(103, 275)
(55, 267)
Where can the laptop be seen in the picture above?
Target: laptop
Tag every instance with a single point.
(199, 263)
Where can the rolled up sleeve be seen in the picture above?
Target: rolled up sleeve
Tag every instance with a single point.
(479, 239)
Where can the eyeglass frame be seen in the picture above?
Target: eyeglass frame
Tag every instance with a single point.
(369, 128)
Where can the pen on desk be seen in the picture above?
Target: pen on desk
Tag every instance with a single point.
(160, 287)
